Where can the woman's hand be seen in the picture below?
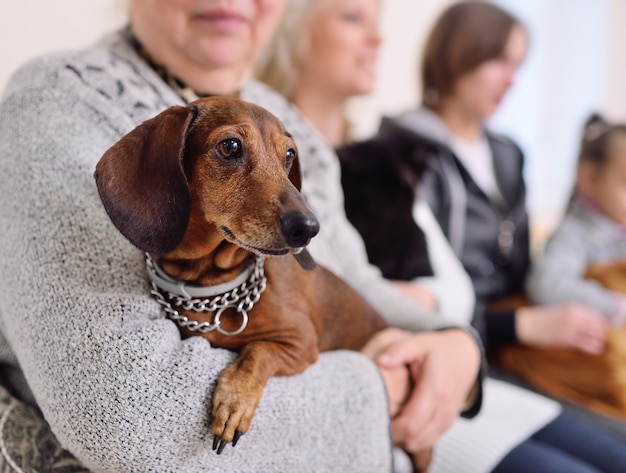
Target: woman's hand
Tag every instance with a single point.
(443, 369)
(397, 379)
(562, 326)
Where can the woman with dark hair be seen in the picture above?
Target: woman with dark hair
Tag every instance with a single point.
(472, 179)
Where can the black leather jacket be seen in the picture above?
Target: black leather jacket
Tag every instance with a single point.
(491, 241)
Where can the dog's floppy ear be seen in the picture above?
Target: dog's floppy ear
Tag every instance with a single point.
(142, 183)
(295, 173)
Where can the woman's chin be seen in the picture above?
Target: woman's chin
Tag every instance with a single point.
(225, 52)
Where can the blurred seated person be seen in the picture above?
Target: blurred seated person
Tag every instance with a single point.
(323, 54)
(119, 387)
(592, 230)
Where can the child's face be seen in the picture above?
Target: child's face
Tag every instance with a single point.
(606, 185)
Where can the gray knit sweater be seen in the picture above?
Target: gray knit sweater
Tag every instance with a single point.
(112, 376)
(118, 386)
(585, 237)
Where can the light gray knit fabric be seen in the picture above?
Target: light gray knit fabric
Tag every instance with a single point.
(585, 237)
(117, 385)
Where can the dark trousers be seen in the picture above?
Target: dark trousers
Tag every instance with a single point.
(566, 445)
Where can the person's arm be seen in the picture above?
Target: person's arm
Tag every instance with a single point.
(499, 327)
(450, 285)
(119, 387)
(440, 351)
(339, 247)
(569, 325)
(557, 276)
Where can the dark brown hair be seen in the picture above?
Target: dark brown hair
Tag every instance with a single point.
(595, 146)
(465, 35)
(597, 139)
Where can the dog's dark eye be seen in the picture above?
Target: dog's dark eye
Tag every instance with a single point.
(230, 148)
(289, 158)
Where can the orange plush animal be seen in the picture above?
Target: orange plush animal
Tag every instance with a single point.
(597, 382)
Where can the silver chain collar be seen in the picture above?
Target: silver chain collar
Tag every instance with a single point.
(241, 298)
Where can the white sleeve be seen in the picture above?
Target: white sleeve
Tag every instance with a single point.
(450, 283)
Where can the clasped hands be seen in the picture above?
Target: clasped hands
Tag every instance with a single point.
(428, 377)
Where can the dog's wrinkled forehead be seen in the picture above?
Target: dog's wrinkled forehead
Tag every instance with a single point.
(224, 111)
(253, 134)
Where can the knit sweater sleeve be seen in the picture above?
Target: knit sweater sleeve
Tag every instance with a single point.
(558, 274)
(120, 388)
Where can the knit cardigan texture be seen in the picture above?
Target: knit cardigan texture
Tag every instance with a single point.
(119, 387)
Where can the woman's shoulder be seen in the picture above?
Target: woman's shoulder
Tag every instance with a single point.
(502, 141)
(385, 141)
(265, 96)
(48, 69)
(575, 231)
(108, 75)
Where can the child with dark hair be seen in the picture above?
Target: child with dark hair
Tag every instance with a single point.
(593, 231)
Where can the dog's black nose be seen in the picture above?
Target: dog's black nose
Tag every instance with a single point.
(298, 228)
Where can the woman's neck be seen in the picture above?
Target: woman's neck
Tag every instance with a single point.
(325, 112)
(203, 80)
(223, 81)
(461, 123)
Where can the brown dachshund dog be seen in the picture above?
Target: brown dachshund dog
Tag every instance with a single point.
(210, 190)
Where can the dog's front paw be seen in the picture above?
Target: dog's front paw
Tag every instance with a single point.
(234, 402)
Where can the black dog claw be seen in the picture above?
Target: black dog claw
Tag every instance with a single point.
(216, 440)
(236, 437)
(220, 449)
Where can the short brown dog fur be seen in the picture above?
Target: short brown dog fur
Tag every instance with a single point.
(205, 187)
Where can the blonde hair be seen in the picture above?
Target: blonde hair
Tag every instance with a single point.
(278, 64)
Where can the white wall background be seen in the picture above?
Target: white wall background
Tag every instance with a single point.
(574, 67)
(577, 64)
(31, 27)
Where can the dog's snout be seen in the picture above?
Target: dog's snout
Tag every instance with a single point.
(298, 228)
